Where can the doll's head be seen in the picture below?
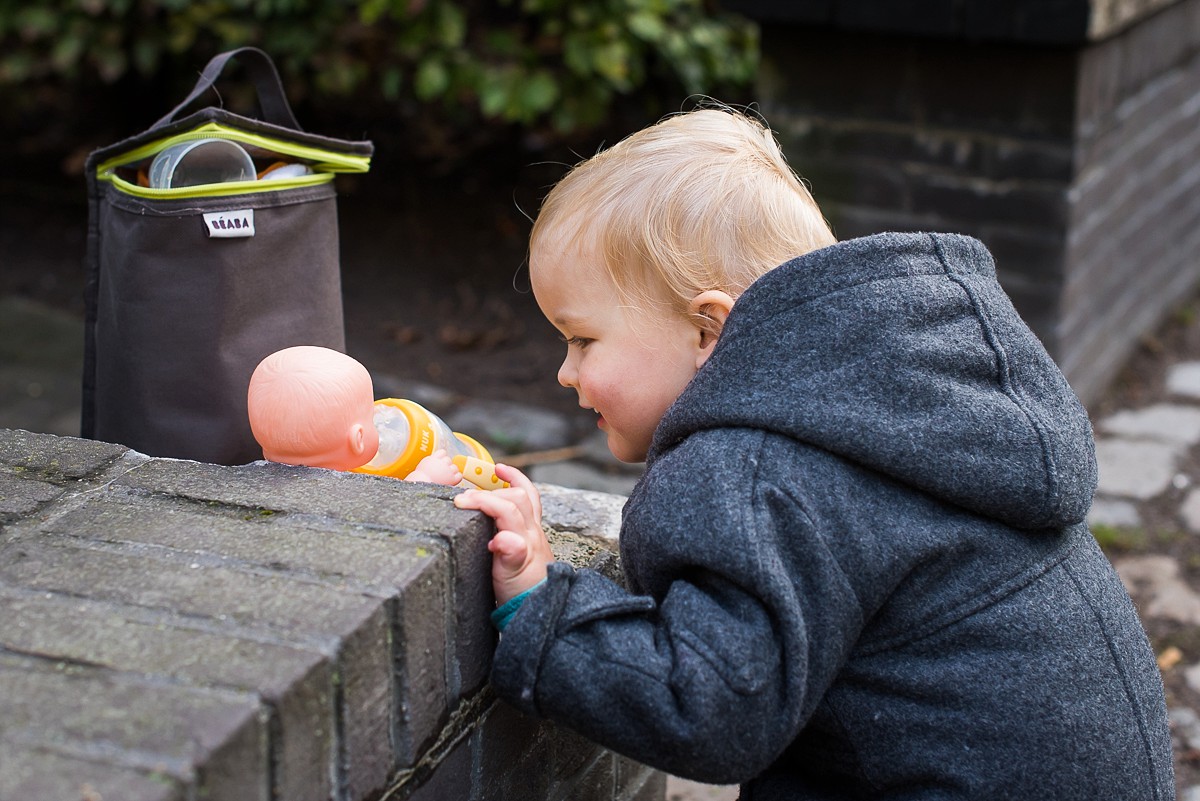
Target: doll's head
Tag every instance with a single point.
(313, 406)
(703, 200)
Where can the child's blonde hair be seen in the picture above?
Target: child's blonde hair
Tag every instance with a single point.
(701, 200)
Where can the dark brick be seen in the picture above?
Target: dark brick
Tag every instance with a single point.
(1022, 21)
(452, 779)
(214, 738)
(861, 183)
(1016, 159)
(597, 782)
(569, 753)
(998, 89)
(296, 683)
(1028, 258)
(512, 754)
(994, 203)
(921, 17)
(900, 144)
(1034, 21)
(797, 11)
(32, 773)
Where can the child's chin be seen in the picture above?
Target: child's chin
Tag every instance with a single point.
(623, 453)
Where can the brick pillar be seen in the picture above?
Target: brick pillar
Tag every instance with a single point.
(1064, 135)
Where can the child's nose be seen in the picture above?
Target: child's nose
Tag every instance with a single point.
(567, 374)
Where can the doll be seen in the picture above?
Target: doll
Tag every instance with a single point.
(314, 406)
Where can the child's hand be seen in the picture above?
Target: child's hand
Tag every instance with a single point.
(520, 551)
(436, 468)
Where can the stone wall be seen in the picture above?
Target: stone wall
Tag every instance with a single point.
(175, 630)
(1065, 135)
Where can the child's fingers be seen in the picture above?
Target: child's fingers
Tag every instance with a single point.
(510, 508)
(521, 481)
(510, 550)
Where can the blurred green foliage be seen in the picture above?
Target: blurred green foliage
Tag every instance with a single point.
(554, 66)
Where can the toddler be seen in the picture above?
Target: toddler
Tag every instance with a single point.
(857, 561)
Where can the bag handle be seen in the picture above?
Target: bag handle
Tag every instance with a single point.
(271, 98)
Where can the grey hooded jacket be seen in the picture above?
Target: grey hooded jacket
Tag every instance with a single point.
(857, 561)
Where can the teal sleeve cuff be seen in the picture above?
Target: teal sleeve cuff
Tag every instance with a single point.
(504, 613)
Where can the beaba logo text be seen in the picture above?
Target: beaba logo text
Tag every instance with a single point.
(229, 224)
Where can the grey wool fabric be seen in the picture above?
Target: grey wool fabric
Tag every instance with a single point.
(858, 566)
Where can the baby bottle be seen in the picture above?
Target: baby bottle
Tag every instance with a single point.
(408, 432)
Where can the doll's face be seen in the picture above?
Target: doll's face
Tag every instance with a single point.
(625, 365)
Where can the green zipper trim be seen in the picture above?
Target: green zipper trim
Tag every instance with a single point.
(323, 162)
(221, 189)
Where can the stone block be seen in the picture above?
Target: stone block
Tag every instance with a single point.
(1163, 422)
(348, 623)
(1115, 513)
(512, 427)
(20, 497)
(320, 550)
(583, 476)
(655, 788)
(590, 514)
(295, 683)
(1134, 469)
(215, 739)
(365, 501)
(34, 773)
(364, 671)
(1184, 380)
(56, 459)
(638, 782)
(420, 650)
(304, 611)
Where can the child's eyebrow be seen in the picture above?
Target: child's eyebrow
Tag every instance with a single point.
(565, 322)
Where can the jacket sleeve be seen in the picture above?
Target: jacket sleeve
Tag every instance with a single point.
(712, 668)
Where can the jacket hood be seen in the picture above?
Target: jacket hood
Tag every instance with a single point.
(901, 352)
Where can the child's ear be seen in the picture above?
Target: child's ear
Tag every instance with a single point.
(709, 309)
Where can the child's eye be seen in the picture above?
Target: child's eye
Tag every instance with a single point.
(578, 342)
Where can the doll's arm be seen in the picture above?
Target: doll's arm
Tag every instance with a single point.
(436, 468)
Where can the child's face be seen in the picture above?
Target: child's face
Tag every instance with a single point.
(624, 364)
